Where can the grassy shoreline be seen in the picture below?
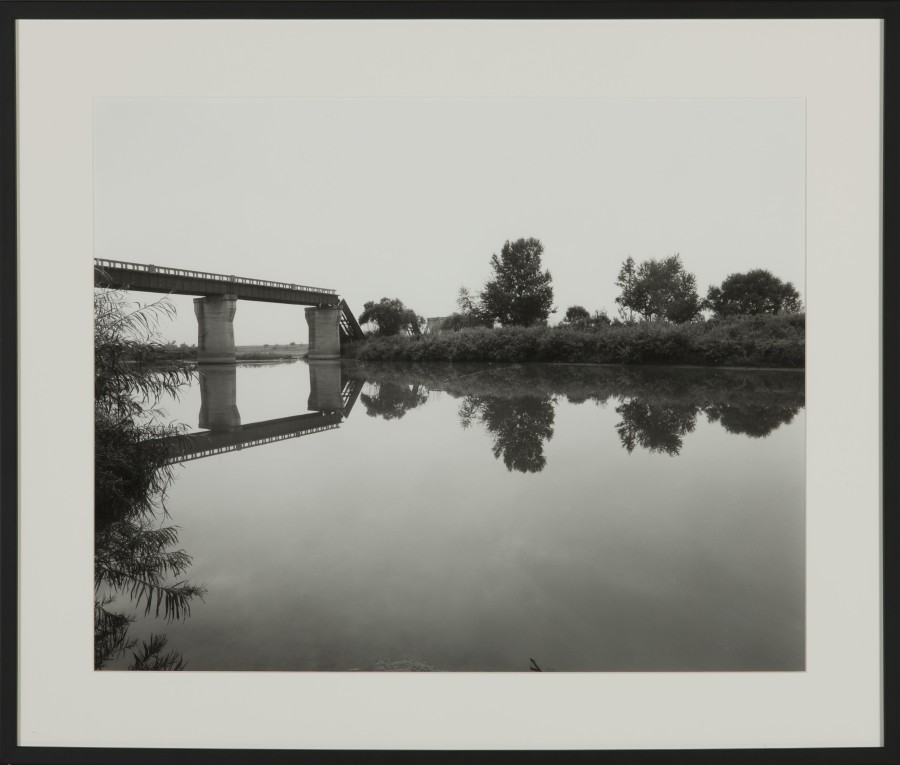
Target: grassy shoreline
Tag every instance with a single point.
(766, 342)
(243, 353)
(588, 381)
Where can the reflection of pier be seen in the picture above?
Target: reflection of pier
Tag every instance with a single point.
(331, 399)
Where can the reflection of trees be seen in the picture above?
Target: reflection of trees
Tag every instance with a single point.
(133, 552)
(656, 427)
(658, 406)
(754, 421)
(111, 641)
(391, 400)
(519, 427)
(134, 556)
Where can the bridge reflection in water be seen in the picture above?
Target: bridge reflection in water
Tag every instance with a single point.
(331, 399)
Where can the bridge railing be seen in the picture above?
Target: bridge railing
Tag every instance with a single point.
(149, 268)
(200, 454)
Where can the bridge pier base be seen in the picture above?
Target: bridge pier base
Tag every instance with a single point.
(324, 333)
(215, 328)
(325, 387)
(218, 398)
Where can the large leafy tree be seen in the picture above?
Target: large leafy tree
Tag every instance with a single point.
(755, 292)
(520, 292)
(391, 317)
(659, 290)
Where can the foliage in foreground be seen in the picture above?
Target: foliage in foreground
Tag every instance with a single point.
(134, 554)
(757, 341)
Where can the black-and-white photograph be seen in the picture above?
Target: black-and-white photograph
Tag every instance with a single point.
(449, 385)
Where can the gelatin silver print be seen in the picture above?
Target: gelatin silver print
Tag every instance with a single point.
(440, 385)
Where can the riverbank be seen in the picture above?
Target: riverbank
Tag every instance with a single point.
(751, 341)
(583, 382)
(166, 353)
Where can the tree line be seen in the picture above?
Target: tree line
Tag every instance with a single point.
(520, 293)
(663, 290)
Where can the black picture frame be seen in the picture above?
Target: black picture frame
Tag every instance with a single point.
(11, 12)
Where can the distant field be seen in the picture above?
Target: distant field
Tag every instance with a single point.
(259, 352)
(188, 353)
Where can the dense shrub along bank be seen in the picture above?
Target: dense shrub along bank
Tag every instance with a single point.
(747, 341)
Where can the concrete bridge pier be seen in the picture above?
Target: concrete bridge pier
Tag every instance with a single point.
(325, 386)
(215, 342)
(324, 333)
(218, 398)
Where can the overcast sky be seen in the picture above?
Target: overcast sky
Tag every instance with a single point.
(409, 198)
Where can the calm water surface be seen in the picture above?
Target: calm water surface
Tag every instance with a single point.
(478, 517)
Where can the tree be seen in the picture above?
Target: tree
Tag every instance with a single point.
(391, 317)
(468, 305)
(520, 293)
(600, 319)
(471, 313)
(577, 314)
(659, 290)
(625, 282)
(756, 292)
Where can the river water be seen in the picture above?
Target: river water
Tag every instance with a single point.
(476, 518)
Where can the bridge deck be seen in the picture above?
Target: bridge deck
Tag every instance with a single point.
(149, 278)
